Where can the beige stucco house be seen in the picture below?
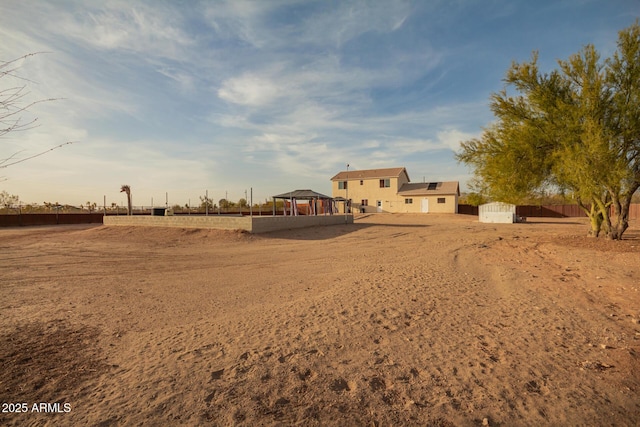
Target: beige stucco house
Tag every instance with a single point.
(390, 190)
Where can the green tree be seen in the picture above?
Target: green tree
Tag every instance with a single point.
(8, 200)
(206, 203)
(474, 199)
(225, 204)
(623, 76)
(243, 203)
(91, 206)
(575, 129)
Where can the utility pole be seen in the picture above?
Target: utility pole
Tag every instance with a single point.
(346, 202)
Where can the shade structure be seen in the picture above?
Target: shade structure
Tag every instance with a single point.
(317, 201)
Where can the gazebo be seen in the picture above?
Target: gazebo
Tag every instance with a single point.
(345, 202)
(318, 203)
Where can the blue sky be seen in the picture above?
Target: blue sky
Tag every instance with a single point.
(181, 97)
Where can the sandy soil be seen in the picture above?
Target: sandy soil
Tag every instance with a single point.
(395, 320)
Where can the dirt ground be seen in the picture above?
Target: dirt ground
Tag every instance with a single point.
(426, 320)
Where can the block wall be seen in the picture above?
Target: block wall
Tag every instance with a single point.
(183, 221)
(256, 224)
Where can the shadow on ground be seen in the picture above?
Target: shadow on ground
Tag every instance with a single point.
(331, 232)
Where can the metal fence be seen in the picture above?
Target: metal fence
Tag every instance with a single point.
(17, 220)
(550, 211)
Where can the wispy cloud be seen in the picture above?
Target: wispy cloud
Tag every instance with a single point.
(249, 90)
(145, 29)
(276, 93)
(350, 20)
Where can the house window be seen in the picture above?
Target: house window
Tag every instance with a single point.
(342, 185)
(384, 183)
(365, 202)
(432, 186)
(361, 182)
(441, 200)
(408, 201)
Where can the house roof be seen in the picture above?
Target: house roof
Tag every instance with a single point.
(428, 188)
(301, 194)
(370, 173)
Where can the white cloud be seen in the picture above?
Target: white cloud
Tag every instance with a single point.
(150, 167)
(351, 19)
(257, 25)
(249, 90)
(145, 29)
(184, 80)
(452, 138)
(55, 74)
(238, 19)
(259, 91)
(277, 142)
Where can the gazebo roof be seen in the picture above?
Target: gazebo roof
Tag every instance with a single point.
(301, 194)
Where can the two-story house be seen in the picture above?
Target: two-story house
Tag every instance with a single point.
(390, 190)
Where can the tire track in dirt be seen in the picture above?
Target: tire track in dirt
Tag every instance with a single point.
(404, 320)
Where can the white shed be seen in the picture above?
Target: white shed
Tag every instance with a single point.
(497, 212)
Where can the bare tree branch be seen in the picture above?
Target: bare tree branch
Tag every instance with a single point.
(13, 104)
(3, 161)
(3, 164)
